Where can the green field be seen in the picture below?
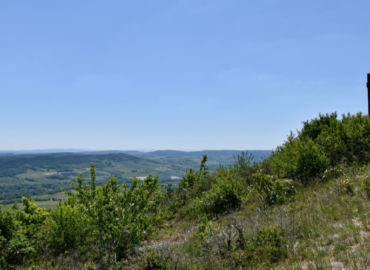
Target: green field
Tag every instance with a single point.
(48, 201)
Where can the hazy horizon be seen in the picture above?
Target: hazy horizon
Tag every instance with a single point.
(138, 150)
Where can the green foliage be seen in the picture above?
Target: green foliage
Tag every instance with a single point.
(32, 215)
(21, 233)
(192, 177)
(299, 159)
(224, 195)
(345, 186)
(333, 173)
(68, 228)
(14, 193)
(204, 227)
(119, 217)
(192, 186)
(366, 186)
(322, 142)
(14, 245)
(273, 191)
(268, 246)
(243, 162)
(344, 141)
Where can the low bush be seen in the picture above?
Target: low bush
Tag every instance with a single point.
(322, 142)
(272, 190)
(366, 186)
(332, 173)
(21, 233)
(267, 247)
(343, 141)
(68, 229)
(299, 159)
(224, 195)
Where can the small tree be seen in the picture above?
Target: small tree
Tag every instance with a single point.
(120, 217)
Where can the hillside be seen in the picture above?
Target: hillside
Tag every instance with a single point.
(327, 226)
(216, 157)
(306, 206)
(35, 175)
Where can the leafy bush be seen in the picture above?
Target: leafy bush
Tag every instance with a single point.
(268, 246)
(192, 177)
(21, 233)
(68, 228)
(345, 186)
(194, 183)
(333, 173)
(344, 141)
(224, 195)
(32, 215)
(322, 142)
(366, 186)
(12, 240)
(274, 191)
(243, 162)
(299, 159)
(118, 217)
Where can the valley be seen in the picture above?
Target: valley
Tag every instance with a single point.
(42, 177)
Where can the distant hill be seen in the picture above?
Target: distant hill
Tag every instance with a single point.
(34, 174)
(6, 154)
(226, 156)
(76, 151)
(41, 151)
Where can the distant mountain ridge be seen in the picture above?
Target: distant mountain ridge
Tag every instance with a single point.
(76, 151)
(174, 153)
(141, 153)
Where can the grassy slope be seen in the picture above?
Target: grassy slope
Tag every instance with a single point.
(327, 227)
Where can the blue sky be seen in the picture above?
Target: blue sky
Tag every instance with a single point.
(185, 75)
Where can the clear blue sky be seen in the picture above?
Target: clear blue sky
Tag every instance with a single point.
(186, 75)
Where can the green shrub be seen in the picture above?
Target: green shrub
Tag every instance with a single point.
(345, 186)
(267, 246)
(270, 245)
(194, 183)
(366, 186)
(299, 159)
(32, 215)
(68, 228)
(274, 191)
(192, 177)
(344, 141)
(333, 173)
(118, 217)
(243, 162)
(322, 142)
(19, 234)
(224, 195)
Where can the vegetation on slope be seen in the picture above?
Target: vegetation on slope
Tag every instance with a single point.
(305, 207)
